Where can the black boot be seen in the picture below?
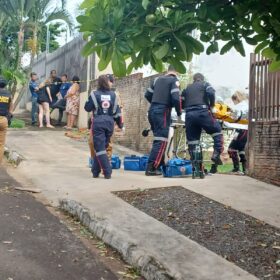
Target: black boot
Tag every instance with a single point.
(235, 167)
(243, 162)
(152, 171)
(216, 158)
(214, 169)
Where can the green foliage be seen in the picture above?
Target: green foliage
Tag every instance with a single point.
(23, 29)
(16, 123)
(156, 32)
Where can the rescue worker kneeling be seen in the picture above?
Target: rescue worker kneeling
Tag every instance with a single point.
(163, 94)
(6, 108)
(103, 104)
(199, 99)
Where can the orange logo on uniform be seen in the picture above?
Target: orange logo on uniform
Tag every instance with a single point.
(4, 99)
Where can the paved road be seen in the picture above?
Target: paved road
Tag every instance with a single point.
(34, 245)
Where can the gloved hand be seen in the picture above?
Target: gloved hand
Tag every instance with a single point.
(9, 117)
(214, 110)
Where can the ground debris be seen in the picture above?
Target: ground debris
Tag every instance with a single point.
(250, 243)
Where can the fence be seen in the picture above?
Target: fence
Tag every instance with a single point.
(264, 121)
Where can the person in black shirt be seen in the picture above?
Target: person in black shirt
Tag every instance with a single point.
(198, 102)
(163, 94)
(55, 84)
(6, 108)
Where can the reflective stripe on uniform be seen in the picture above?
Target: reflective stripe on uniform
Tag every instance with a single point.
(101, 153)
(150, 90)
(175, 90)
(93, 97)
(232, 151)
(161, 139)
(216, 134)
(116, 104)
(195, 142)
(242, 153)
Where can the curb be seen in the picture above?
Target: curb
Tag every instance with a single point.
(13, 157)
(149, 267)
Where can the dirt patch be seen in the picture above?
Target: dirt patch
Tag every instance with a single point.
(247, 242)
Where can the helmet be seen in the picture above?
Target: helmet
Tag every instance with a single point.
(3, 82)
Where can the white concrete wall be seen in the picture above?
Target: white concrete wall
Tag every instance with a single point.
(83, 115)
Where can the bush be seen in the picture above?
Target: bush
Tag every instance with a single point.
(17, 123)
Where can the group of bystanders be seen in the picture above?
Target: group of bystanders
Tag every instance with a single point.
(54, 93)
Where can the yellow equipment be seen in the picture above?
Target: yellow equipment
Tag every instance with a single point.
(224, 113)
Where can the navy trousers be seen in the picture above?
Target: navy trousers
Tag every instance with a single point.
(160, 120)
(103, 129)
(237, 146)
(202, 119)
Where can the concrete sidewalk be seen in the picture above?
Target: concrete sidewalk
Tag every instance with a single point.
(58, 166)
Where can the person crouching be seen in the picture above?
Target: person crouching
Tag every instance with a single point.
(103, 103)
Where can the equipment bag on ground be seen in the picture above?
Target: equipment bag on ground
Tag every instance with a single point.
(135, 163)
(177, 168)
(116, 162)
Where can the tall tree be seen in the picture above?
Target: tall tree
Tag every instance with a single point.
(17, 11)
(157, 32)
(42, 14)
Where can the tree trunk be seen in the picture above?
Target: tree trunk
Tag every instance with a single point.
(20, 44)
(34, 49)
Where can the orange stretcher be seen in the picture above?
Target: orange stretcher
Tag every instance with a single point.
(225, 113)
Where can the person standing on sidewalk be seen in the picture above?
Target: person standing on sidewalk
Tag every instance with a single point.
(34, 88)
(236, 149)
(106, 111)
(199, 101)
(55, 84)
(6, 108)
(163, 94)
(60, 104)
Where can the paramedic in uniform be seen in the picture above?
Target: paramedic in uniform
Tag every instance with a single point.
(164, 94)
(198, 102)
(103, 103)
(6, 108)
(236, 148)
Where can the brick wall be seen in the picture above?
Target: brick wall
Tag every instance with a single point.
(135, 108)
(264, 152)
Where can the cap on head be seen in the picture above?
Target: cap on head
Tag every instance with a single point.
(3, 82)
(111, 78)
(198, 77)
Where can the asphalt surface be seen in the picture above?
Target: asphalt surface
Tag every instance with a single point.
(35, 245)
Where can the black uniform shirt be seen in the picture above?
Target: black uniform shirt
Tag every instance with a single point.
(165, 90)
(105, 103)
(198, 93)
(5, 101)
(55, 87)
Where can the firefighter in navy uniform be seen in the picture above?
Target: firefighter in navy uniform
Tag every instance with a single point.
(163, 94)
(103, 103)
(5, 114)
(198, 102)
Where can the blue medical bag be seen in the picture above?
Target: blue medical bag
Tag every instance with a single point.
(144, 162)
(178, 167)
(135, 163)
(116, 162)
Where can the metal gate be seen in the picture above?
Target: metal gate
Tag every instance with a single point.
(264, 121)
